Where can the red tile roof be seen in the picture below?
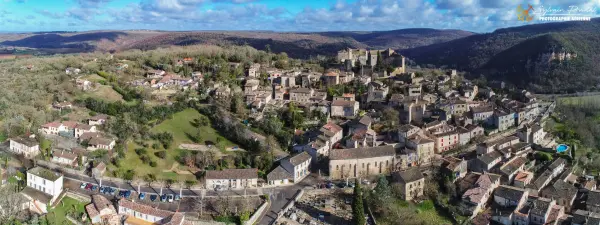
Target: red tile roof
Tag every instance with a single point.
(332, 127)
(52, 124)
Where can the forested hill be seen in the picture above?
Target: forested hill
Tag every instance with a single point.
(522, 55)
(295, 44)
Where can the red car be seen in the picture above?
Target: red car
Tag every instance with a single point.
(88, 186)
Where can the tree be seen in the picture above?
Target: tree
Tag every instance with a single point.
(150, 178)
(190, 183)
(391, 117)
(358, 212)
(10, 203)
(383, 192)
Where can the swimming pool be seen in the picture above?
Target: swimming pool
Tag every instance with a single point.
(562, 148)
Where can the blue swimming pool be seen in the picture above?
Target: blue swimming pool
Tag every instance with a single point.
(562, 148)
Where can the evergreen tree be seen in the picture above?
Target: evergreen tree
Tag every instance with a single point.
(358, 212)
(383, 191)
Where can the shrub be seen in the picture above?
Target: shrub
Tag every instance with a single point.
(152, 163)
(141, 151)
(155, 146)
(145, 158)
(161, 154)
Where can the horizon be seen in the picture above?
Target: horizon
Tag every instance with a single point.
(478, 16)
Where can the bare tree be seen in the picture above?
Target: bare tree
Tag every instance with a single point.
(11, 204)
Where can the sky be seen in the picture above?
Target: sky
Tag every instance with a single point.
(275, 15)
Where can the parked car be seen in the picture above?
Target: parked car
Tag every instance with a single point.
(94, 187)
(170, 198)
(163, 198)
(342, 184)
(177, 197)
(329, 185)
(142, 196)
(88, 186)
(153, 197)
(127, 194)
(82, 186)
(121, 193)
(366, 182)
(101, 190)
(112, 191)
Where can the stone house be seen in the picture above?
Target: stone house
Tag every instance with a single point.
(26, 146)
(138, 213)
(475, 190)
(533, 134)
(298, 166)
(361, 162)
(503, 120)
(302, 95)
(562, 192)
(340, 108)
(411, 183)
(231, 178)
(102, 211)
(454, 167)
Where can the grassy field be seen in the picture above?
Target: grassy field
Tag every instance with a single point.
(180, 127)
(103, 92)
(423, 213)
(580, 100)
(57, 216)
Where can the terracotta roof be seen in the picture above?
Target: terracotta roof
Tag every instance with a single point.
(251, 173)
(100, 141)
(144, 209)
(82, 126)
(523, 176)
(279, 173)
(100, 166)
(89, 135)
(299, 158)
(69, 124)
(52, 124)
(480, 187)
(64, 155)
(452, 163)
(91, 210)
(408, 176)
(513, 165)
(343, 103)
(361, 153)
(365, 120)
(332, 127)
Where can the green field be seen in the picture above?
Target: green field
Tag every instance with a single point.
(580, 100)
(57, 216)
(423, 213)
(179, 126)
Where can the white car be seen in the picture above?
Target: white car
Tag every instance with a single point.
(82, 186)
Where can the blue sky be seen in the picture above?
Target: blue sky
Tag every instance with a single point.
(277, 15)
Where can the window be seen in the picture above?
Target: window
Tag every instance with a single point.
(337, 167)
